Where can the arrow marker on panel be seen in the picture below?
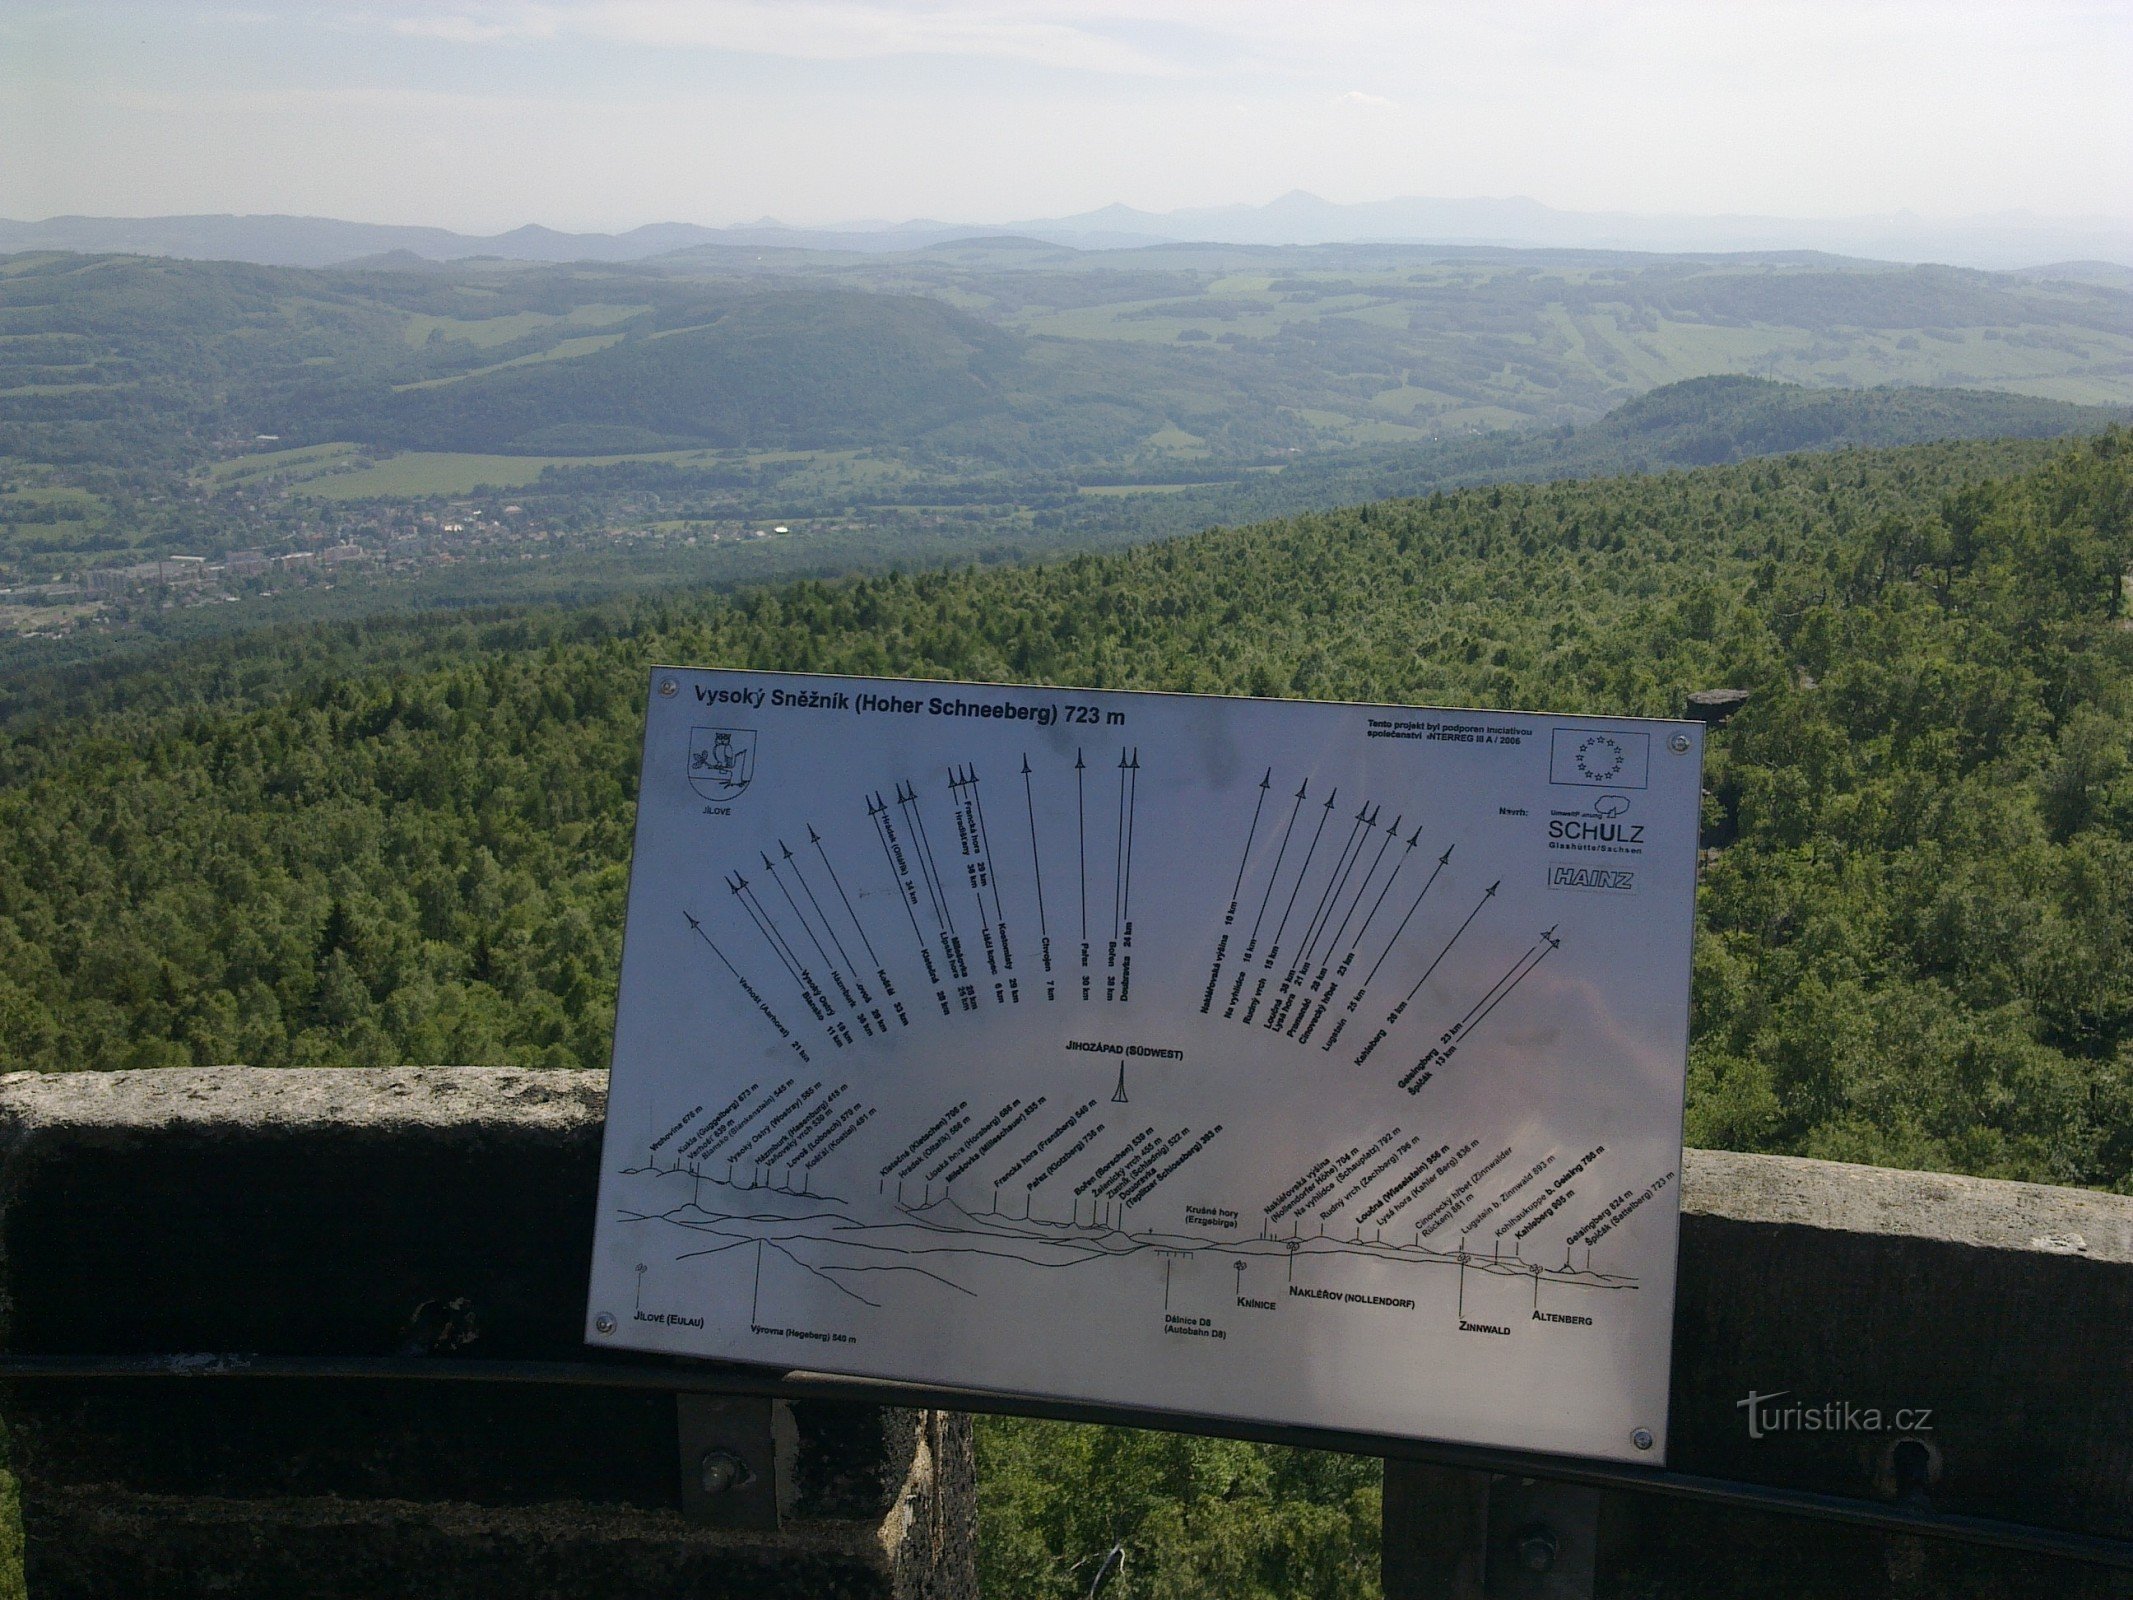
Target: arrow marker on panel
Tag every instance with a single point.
(1285, 1009)
(1442, 862)
(1322, 983)
(878, 810)
(1343, 868)
(1501, 989)
(1273, 948)
(1081, 830)
(747, 988)
(1251, 945)
(817, 1007)
(1487, 895)
(1274, 877)
(1116, 974)
(1333, 945)
(836, 976)
(1448, 1043)
(1245, 855)
(977, 868)
(881, 973)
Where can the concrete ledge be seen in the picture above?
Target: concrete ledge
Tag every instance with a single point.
(1988, 1324)
(1996, 1319)
(449, 1212)
(1837, 1197)
(434, 1212)
(84, 1105)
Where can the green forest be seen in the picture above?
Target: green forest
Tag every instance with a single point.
(373, 843)
(1913, 920)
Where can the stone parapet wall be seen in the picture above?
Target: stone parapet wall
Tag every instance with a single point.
(439, 1214)
(445, 1215)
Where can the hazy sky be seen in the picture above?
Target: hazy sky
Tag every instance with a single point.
(483, 114)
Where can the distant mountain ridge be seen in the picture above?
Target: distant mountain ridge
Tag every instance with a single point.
(1998, 242)
(1299, 217)
(283, 241)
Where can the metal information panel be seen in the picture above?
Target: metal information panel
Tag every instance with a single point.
(1306, 1063)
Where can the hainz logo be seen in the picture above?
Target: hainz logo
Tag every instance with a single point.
(721, 761)
(1599, 758)
(1614, 880)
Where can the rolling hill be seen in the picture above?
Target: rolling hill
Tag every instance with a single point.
(986, 398)
(987, 351)
(807, 369)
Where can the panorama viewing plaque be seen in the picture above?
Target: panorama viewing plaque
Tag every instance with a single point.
(1307, 1063)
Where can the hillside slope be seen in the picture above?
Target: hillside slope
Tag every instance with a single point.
(806, 370)
(1698, 422)
(984, 355)
(1917, 936)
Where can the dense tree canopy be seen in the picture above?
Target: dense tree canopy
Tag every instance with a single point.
(1192, 1519)
(1913, 923)
(407, 842)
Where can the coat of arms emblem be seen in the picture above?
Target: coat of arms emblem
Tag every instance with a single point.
(721, 761)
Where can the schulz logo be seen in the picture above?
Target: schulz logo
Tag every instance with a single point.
(721, 761)
(1600, 826)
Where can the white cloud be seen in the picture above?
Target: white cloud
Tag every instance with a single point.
(808, 30)
(1362, 97)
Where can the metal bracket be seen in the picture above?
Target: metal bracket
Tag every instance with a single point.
(1452, 1535)
(1411, 1463)
(735, 1455)
(1543, 1540)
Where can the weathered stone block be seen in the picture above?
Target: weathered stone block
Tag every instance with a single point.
(439, 1214)
(1996, 1319)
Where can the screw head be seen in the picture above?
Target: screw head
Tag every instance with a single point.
(1643, 1439)
(669, 687)
(1536, 1548)
(1679, 744)
(720, 1470)
(604, 1322)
